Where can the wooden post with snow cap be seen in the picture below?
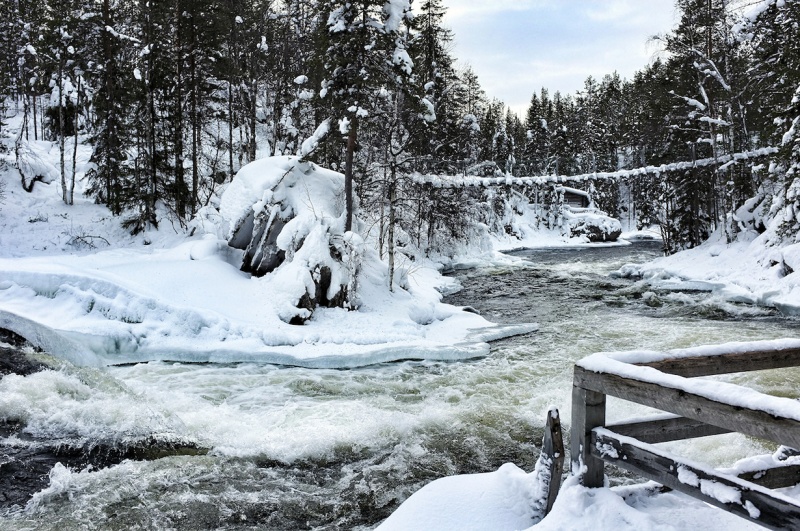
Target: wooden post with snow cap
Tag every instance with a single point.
(588, 412)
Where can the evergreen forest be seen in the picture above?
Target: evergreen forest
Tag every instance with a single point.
(175, 96)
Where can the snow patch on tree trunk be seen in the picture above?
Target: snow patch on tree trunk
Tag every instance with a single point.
(288, 218)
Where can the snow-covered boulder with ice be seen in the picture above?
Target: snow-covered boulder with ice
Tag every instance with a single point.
(287, 215)
(592, 225)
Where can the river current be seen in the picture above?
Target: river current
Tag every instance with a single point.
(297, 448)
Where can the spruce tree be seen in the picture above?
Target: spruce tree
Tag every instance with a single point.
(437, 147)
(776, 71)
(700, 59)
(366, 52)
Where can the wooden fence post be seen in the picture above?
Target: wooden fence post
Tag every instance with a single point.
(588, 412)
(553, 447)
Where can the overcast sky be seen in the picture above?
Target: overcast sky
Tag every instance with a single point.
(518, 46)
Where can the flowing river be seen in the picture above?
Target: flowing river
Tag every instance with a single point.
(341, 449)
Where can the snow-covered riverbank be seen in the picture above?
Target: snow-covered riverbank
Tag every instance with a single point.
(748, 271)
(171, 295)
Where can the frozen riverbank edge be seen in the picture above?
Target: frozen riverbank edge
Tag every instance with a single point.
(747, 271)
(79, 312)
(74, 283)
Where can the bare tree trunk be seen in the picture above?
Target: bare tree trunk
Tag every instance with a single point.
(382, 218)
(35, 127)
(109, 133)
(253, 120)
(71, 194)
(61, 119)
(231, 75)
(230, 127)
(195, 156)
(348, 176)
(180, 184)
(195, 121)
(150, 200)
(25, 105)
(392, 201)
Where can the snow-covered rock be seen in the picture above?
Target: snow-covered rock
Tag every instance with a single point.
(288, 218)
(34, 164)
(593, 225)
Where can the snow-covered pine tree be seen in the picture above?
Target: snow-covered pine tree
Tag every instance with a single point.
(515, 138)
(537, 134)
(494, 145)
(242, 66)
(290, 63)
(645, 137)
(607, 123)
(111, 171)
(438, 147)
(591, 131)
(707, 114)
(776, 71)
(473, 104)
(365, 54)
(564, 141)
(154, 140)
(204, 31)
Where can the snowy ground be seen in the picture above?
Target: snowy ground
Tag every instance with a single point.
(499, 501)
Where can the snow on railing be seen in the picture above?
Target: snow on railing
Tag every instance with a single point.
(460, 181)
(673, 381)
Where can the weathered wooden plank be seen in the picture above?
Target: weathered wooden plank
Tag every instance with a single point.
(553, 448)
(774, 478)
(756, 360)
(666, 429)
(751, 422)
(761, 506)
(588, 412)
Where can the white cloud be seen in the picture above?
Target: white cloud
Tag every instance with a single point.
(610, 10)
(518, 46)
(464, 8)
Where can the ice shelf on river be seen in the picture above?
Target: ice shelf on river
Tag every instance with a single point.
(189, 303)
(184, 297)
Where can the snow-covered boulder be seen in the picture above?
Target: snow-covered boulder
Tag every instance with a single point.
(593, 225)
(288, 218)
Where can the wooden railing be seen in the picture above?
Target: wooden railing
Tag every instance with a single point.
(672, 382)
